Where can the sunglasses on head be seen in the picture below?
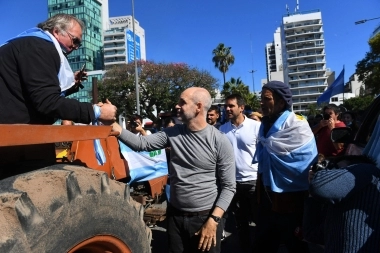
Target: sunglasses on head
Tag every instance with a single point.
(75, 40)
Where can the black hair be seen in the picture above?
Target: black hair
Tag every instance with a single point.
(239, 99)
(136, 116)
(167, 121)
(332, 107)
(214, 108)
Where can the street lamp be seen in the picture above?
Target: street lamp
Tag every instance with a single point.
(253, 80)
(364, 20)
(136, 71)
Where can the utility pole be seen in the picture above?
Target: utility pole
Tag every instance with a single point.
(136, 71)
(253, 79)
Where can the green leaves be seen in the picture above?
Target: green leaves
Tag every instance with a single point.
(358, 103)
(222, 59)
(160, 85)
(368, 69)
(236, 86)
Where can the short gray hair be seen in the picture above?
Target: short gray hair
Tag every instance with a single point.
(60, 21)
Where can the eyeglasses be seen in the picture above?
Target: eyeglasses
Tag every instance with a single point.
(74, 40)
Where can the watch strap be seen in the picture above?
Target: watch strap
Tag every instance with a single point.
(215, 218)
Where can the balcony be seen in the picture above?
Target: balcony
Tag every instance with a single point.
(305, 46)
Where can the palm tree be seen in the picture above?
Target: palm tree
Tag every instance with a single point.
(223, 58)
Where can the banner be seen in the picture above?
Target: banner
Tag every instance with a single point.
(144, 166)
(337, 87)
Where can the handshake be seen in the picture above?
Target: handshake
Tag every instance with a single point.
(107, 112)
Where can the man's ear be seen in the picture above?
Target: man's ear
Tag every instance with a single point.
(55, 32)
(199, 106)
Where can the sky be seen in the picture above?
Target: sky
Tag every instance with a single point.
(187, 31)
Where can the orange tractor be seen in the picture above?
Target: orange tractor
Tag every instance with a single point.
(51, 204)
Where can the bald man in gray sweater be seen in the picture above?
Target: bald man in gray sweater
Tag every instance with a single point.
(202, 174)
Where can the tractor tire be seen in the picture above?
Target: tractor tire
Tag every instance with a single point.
(65, 208)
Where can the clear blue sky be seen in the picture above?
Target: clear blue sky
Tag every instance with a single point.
(188, 30)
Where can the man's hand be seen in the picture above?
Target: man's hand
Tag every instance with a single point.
(207, 235)
(79, 77)
(107, 113)
(140, 129)
(116, 128)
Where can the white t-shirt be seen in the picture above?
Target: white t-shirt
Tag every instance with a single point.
(244, 139)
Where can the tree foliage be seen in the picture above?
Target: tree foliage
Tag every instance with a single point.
(368, 69)
(160, 85)
(312, 109)
(236, 86)
(222, 59)
(358, 103)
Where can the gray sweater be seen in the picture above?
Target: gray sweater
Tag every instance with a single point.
(198, 160)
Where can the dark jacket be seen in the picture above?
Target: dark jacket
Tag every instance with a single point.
(352, 194)
(29, 85)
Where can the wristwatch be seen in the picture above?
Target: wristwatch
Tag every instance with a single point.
(215, 218)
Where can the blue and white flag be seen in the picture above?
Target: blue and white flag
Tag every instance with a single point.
(337, 87)
(144, 166)
(286, 153)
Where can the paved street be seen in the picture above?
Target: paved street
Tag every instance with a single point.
(229, 245)
(159, 242)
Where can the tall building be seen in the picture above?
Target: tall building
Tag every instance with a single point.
(119, 41)
(301, 56)
(273, 53)
(270, 57)
(93, 14)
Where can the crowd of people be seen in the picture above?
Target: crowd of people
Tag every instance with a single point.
(256, 165)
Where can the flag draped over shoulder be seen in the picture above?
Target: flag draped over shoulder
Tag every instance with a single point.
(286, 153)
(144, 165)
(337, 87)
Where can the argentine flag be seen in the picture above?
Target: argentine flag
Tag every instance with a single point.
(144, 166)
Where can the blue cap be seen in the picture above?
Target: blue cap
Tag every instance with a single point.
(282, 90)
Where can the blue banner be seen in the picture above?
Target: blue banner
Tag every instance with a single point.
(130, 47)
(337, 87)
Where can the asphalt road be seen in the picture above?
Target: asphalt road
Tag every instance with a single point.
(229, 245)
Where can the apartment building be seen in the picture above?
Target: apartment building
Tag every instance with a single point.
(300, 57)
(119, 41)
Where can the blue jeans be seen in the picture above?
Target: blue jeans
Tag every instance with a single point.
(181, 233)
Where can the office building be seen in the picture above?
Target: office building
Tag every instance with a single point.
(300, 55)
(119, 41)
(93, 14)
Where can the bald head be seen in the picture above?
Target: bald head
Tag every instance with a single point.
(193, 105)
(200, 95)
